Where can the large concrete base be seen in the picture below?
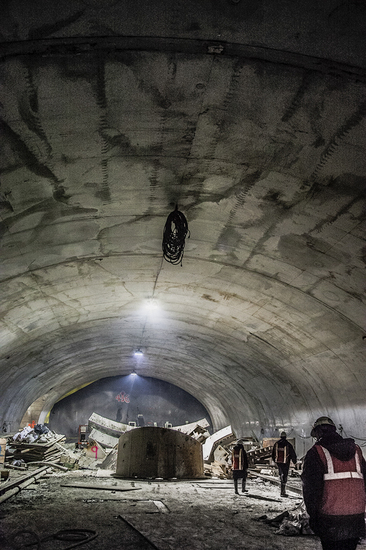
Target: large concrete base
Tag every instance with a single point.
(159, 452)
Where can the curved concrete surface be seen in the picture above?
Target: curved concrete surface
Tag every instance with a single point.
(248, 116)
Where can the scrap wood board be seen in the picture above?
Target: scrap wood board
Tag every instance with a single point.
(2, 450)
(101, 487)
(33, 452)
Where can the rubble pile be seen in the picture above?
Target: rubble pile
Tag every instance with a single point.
(197, 429)
(259, 454)
(290, 524)
(217, 454)
(220, 465)
(38, 444)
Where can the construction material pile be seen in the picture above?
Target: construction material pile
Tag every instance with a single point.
(35, 444)
(290, 523)
(217, 451)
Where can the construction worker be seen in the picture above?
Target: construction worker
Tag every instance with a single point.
(282, 453)
(334, 480)
(239, 466)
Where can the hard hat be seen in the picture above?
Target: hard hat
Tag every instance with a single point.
(283, 434)
(322, 421)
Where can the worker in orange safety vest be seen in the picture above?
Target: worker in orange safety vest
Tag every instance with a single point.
(239, 466)
(334, 482)
(282, 453)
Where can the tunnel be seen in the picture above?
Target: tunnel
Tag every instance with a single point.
(255, 130)
(248, 119)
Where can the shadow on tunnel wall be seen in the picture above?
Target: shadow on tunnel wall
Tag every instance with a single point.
(146, 401)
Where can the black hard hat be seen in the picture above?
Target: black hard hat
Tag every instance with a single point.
(283, 434)
(322, 421)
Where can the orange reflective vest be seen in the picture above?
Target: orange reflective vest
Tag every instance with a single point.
(344, 486)
(282, 455)
(238, 458)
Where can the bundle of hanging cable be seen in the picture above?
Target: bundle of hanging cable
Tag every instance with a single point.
(175, 232)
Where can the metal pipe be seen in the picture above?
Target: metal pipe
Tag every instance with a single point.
(19, 485)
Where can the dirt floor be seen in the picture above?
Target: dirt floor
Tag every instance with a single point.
(145, 514)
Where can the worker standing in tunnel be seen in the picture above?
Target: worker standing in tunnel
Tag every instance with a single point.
(334, 481)
(239, 465)
(282, 453)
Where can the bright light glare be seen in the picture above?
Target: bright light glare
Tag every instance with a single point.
(152, 304)
(138, 353)
(133, 374)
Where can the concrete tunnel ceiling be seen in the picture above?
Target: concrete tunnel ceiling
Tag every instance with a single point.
(250, 116)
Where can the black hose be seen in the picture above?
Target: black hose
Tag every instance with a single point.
(175, 232)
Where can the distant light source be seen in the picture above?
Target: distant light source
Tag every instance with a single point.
(152, 304)
(138, 353)
(133, 373)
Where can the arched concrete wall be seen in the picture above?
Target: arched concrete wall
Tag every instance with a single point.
(250, 117)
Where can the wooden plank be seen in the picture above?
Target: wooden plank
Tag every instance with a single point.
(12, 467)
(2, 450)
(275, 481)
(53, 465)
(37, 446)
(99, 487)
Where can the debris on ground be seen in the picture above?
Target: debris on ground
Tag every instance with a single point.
(216, 469)
(217, 452)
(107, 426)
(197, 429)
(290, 524)
(110, 462)
(37, 444)
(166, 511)
(104, 439)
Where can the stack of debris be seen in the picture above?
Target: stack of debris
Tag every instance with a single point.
(259, 454)
(217, 451)
(104, 434)
(106, 431)
(38, 444)
(197, 430)
(219, 467)
(290, 524)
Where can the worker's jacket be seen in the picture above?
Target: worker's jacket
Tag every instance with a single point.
(344, 488)
(283, 452)
(239, 458)
(347, 524)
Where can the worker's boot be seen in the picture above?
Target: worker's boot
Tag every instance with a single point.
(236, 486)
(283, 490)
(243, 489)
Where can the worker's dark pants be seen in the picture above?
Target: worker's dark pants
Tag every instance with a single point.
(283, 469)
(240, 474)
(349, 544)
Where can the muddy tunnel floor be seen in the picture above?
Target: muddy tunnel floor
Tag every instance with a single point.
(94, 509)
